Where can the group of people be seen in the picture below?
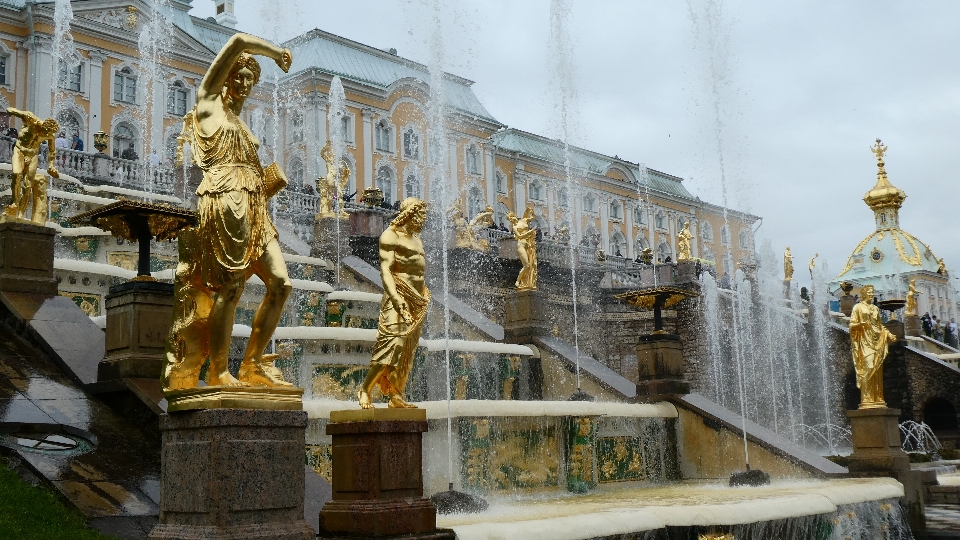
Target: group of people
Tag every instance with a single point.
(942, 332)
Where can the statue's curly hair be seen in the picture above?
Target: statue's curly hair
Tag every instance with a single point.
(247, 60)
(50, 125)
(408, 208)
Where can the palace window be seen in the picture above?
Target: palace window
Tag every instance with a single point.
(383, 135)
(296, 174)
(661, 220)
(680, 221)
(500, 183)
(125, 86)
(473, 159)
(563, 199)
(724, 235)
(69, 125)
(475, 203)
(296, 124)
(639, 216)
(744, 239)
(618, 245)
(536, 191)
(411, 187)
(69, 77)
(177, 99)
(385, 183)
(123, 137)
(411, 144)
(706, 231)
(346, 127)
(615, 210)
(590, 203)
(3, 68)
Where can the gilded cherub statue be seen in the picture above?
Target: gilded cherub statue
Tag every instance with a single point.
(332, 187)
(870, 341)
(684, 243)
(526, 238)
(28, 186)
(403, 307)
(787, 265)
(235, 237)
(912, 299)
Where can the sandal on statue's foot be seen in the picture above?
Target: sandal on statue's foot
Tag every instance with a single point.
(256, 374)
(397, 402)
(272, 370)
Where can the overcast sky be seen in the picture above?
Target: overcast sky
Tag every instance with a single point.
(803, 89)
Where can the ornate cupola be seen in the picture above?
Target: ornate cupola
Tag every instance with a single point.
(884, 199)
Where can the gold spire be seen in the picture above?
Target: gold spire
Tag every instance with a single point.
(883, 195)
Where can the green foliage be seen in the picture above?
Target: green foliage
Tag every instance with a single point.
(36, 513)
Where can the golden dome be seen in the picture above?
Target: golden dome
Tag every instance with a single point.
(884, 194)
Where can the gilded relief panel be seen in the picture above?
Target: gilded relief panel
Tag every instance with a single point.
(89, 303)
(510, 454)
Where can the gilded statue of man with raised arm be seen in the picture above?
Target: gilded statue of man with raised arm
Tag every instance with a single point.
(27, 185)
(869, 341)
(403, 308)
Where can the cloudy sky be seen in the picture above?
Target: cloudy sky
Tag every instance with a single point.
(802, 91)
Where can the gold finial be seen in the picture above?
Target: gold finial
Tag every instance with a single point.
(884, 194)
(879, 150)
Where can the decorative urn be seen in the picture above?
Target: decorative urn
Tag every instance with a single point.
(100, 140)
(372, 196)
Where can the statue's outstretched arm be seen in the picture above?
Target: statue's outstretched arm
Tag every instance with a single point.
(220, 69)
(26, 116)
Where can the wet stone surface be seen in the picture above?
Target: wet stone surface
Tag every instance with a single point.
(111, 475)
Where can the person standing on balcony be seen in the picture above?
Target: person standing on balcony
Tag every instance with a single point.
(129, 153)
(77, 143)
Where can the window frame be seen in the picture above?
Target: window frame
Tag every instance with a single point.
(417, 153)
(174, 90)
(122, 75)
(66, 74)
(383, 132)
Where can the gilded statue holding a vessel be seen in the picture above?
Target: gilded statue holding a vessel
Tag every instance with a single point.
(912, 299)
(526, 238)
(870, 341)
(235, 237)
(787, 265)
(28, 186)
(684, 243)
(403, 308)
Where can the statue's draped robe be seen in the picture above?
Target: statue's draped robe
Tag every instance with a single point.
(396, 340)
(235, 225)
(869, 343)
(526, 242)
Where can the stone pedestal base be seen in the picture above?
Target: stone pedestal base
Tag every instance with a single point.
(232, 474)
(847, 302)
(787, 288)
(876, 442)
(660, 366)
(26, 258)
(911, 326)
(325, 243)
(377, 477)
(686, 271)
(139, 314)
(896, 328)
(525, 316)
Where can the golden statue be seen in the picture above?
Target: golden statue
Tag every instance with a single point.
(684, 245)
(27, 186)
(941, 267)
(869, 340)
(235, 238)
(787, 265)
(468, 234)
(334, 185)
(563, 235)
(813, 264)
(912, 299)
(526, 249)
(403, 307)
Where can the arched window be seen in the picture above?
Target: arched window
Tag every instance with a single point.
(296, 127)
(411, 144)
(708, 254)
(591, 237)
(170, 148)
(661, 220)
(590, 203)
(500, 215)
(724, 235)
(500, 182)
(475, 203)
(615, 210)
(383, 136)
(563, 199)
(640, 215)
(641, 244)
(69, 125)
(473, 159)
(618, 245)
(385, 183)
(680, 221)
(411, 186)
(177, 99)
(296, 174)
(744, 239)
(70, 77)
(706, 231)
(536, 191)
(125, 86)
(728, 265)
(664, 252)
(125, 141)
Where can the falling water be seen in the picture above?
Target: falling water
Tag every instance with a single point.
(64, 54)
(154, 42)
(336, 113)
(565, 90)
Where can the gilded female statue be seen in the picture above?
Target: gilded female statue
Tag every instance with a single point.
(684, 242)
(869, 342)
(787, 265)
(526, 238)
(27, 186)
(912, 299)
(236, 236)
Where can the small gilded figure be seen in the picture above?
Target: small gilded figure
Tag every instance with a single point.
(912, 299)
(403, 307)
(869, 342)
(813, 264)
(235, 237)
(787, 265)
(684, 243)
(334, 185)
(28, 186)
(526, 238)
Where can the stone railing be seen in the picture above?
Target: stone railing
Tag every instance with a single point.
(641, 276)
(494, 236)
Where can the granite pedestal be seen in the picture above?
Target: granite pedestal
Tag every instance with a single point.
(232, 474)
(660, 366)
(876, 441)
(847, 302)
(897, 328)
(139, 314)
(526, 316)
(26, 258)
(911, 325)
(331, 238)
(686, 271)
(377, 477)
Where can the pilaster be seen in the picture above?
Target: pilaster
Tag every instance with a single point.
(367, 149)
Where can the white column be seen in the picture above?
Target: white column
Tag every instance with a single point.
(576, 218)
(551, 205)
(489, 169)
(156, 124)
(20, 84)
(672, 228)
(367, 149)
(95, 80)
(605, 224)
(41, 78)
(519, 193)
(628, 219)
(652, 229)
(695, 244)
(453, 170)
(320, 105)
